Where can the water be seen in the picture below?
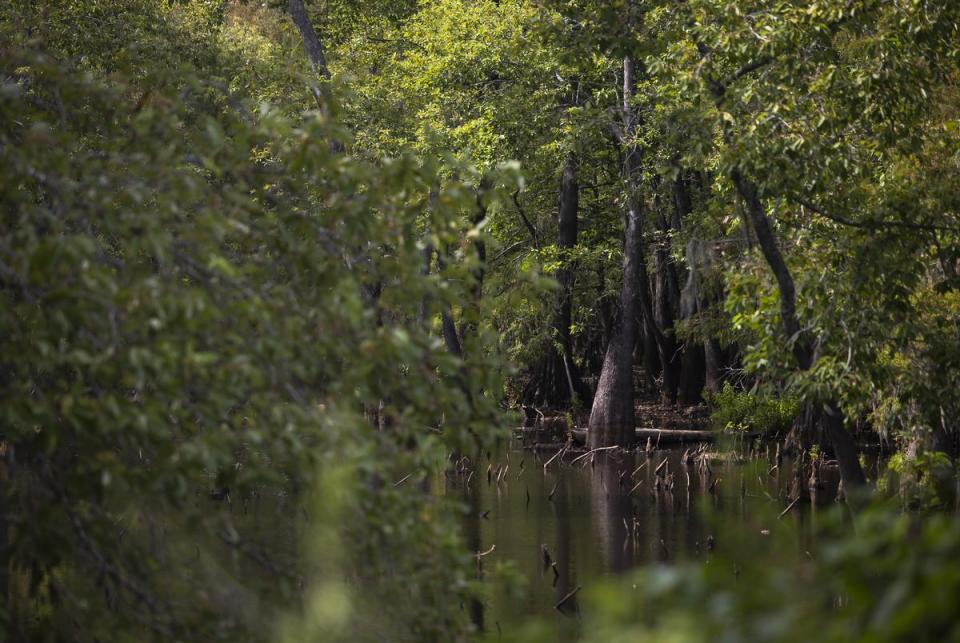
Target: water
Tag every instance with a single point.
(594, 526)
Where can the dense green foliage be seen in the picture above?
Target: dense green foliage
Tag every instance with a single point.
(192, 325)
(246, 325)
(895, 581)
(739, 411)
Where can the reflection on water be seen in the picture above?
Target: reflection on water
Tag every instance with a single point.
(606, 515)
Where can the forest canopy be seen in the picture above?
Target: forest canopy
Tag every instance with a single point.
(277, 277)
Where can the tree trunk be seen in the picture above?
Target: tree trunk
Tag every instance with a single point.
(447, 324)
(568, 385)
(649, 357)
(318, 63)
(796, 337)
(692, 374)
(450, 337)
(655, 306)
(664, 347)
(612, 415)
(311, 41)
(693, 361)
(713, 361)
(663, 312)
(844, 447)
(567, 241)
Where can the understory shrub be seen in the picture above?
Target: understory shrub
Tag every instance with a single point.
(733, 410)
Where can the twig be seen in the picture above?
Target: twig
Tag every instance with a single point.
(526, 221)
(789, 507)
(547, 464)
(660, 466)
(489, 551)
(566, 598)
(591, 452)
(870, 224)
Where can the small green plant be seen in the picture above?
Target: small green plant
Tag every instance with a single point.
(926, 480)
(735, 410)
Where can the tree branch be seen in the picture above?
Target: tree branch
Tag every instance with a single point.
(526, 221)
(870, 224)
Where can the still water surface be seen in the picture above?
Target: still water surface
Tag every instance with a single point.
(594, 526)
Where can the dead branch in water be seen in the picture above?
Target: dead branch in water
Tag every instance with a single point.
(660, 466)
(592, 451)
(558, 453)
(789, 507)
(566, 598)
(553, 491)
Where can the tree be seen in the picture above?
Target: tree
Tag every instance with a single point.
(612, 416)
(182, 335)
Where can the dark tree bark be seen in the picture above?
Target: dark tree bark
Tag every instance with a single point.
(558, 382)
(447, 324)
(844, 446)
(650, 358)
(704, 360)
(479, 246)
(567, 239)
(693, 360)
(657, 325)
(665, 303)
(612, 415)
(692, 374)
(311, 41)
(799, 340)
(664, 348)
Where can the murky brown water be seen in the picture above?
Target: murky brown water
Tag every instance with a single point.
(606, 517)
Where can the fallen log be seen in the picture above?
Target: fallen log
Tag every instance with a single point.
(661, 436)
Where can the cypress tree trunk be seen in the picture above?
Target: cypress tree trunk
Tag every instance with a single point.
(612, 415)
